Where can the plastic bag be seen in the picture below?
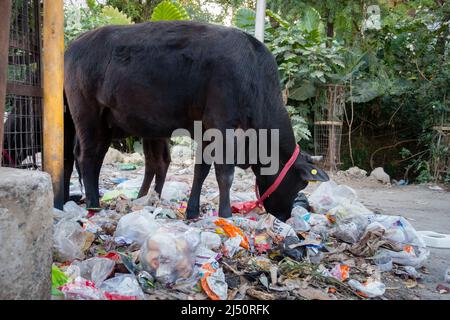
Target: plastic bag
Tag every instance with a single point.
(175, 190)
(113, 194)
(351, 229)
(232, 245)
(72, 210)
(276, 229)
(342, 199)
(136, 227)
(95, 269)
(340, 272)
(169, 253)
(82, 289)
(414, 258)
(400, 230)
(130, 184)
(328, 196)
(298, 220)
(122, 287)
(370, 289)
(70, 241)
(210, 240)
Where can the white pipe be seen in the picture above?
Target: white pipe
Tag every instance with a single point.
(260, 19)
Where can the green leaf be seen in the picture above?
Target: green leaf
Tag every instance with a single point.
(277, 18)
(168, 10)
(114, 16)
(305, 91)
(366, 90)
(311, 20)
(245, 19)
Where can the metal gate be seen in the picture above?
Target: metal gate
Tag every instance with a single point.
(22, 141)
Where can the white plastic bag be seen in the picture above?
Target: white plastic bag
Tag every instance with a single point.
(174, 190)
(95, 269)
(122, 285)
(210, 240)
(136, 227)
(371, 289)
(341, 198)
(74, 211)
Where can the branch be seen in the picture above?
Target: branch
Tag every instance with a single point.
(388, 147)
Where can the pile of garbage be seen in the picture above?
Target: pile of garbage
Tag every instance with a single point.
(332, 247)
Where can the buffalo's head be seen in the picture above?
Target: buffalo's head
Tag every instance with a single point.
(279, 203)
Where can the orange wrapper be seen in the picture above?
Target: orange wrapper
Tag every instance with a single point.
(209, 271)
(232, 231)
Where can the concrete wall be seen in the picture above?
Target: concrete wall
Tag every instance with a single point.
(26, 235)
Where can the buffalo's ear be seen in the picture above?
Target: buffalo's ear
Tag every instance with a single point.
(309, 172)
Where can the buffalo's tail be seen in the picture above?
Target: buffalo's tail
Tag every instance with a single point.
(69, 147)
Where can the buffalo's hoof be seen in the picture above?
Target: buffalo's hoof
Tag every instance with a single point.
(192, 214)
(225, 214)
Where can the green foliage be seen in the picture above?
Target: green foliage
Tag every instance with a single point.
(112, 15)
(168, 10)
(299, 124)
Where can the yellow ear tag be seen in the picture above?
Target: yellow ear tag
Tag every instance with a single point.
(314, 171)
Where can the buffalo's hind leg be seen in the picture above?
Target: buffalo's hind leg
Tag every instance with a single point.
(90, 158)
(149, 167)
(163, 163)
(93, 140)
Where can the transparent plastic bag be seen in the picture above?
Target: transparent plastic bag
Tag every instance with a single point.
(298, 220)
(371, 289)
(82, 289)
(136, 227)
(415, 259)
(400, 230)
(210, 240)
(175, 190)
(95, 269)
(70, 240)
(276, 229)
(169, 253)
(72, 210)
(336, 200)
(122, 287)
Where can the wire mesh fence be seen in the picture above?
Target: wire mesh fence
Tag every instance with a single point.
(328, 125)
(22, 140)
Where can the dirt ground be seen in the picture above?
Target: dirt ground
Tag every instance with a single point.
(425, 209)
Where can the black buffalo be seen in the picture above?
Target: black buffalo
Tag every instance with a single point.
(149, 79)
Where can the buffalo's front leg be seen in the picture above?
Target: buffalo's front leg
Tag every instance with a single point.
(224, 176)
(157, 161)
(200, 173)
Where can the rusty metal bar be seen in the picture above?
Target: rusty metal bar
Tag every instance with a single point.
(23, 90)
(5, 17)
(53, 74)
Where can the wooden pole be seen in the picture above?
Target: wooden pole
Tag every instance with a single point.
(5, 18)
(53, 115)
(260, 19)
